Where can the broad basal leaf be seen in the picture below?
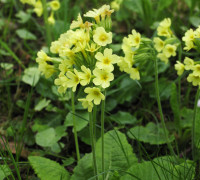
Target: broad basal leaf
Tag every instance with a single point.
(4, 171)
(118, 154)
(152, 133)
(31, 76)
(47, 169)
(160, 169)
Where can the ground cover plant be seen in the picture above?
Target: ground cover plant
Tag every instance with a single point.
(105, 91)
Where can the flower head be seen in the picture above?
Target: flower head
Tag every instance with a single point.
(169, 50)
(38, 8)
(106, 60)
(73, 79)
(135, 39)
(84, 76)
(189, 63)
(195, 80)
(158, 44)
(94, 94)
(86, 104)
(55, 5)
(179, 67)
(102, 77)
(163, 57)
(51, 19)
(101, 37)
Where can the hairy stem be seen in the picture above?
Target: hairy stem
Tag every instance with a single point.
(160, 108)
(74, 127)
(92, 140)
(102, 135)
(194, 122)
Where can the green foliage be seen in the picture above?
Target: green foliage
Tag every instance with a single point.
(123, 118)
(119, 157)
(25, 34)
(175, 105)
(152, 133)
(81, 119)
(160, 168)
(47, 169)
(42, 104)
(4, 171)
(31, 76)
(49, 137)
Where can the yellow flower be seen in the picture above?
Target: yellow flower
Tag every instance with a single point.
(126, 45)
(101, 37)
(78, 23)
(55, 46)
(124, 64)
(94, 94)
(38, 8)
(115, 5)
(73, 79)
(169, 50)
(188, 45)
(189, 35)
(189, 38)
(179, 68)
(42, 57)
(163, 31)
(134, 73)
(51, 19)
(62, 82)
(195, 80)
(135, 39)
(94, 14)
(84, 76)
(46, 69)
(102, 77)
(55, 5)
(164, 28)
(189, 63)
(86, 104)
(196, 70)
(65, 65)
(197, 33)
(163, 57)
(165, 23)
(158, 44)
(105, 10)
(106, 60)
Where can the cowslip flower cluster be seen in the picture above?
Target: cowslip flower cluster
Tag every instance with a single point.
(166, 44)
(38, 8)
(193, 67)
(138, 49)
(190, 38)
(83, 57)
(129, 46)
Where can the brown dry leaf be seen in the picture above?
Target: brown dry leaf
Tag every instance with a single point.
(12, 146)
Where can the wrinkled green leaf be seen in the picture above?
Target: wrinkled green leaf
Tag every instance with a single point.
(23, 16)
(118, 156)
(47, 169)
(46, 138)
(152, 133)
(160, 168)
(123, 118)
(4, 171)
(81, 119)
(42, 104)
(31, 76)
(25, 34)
